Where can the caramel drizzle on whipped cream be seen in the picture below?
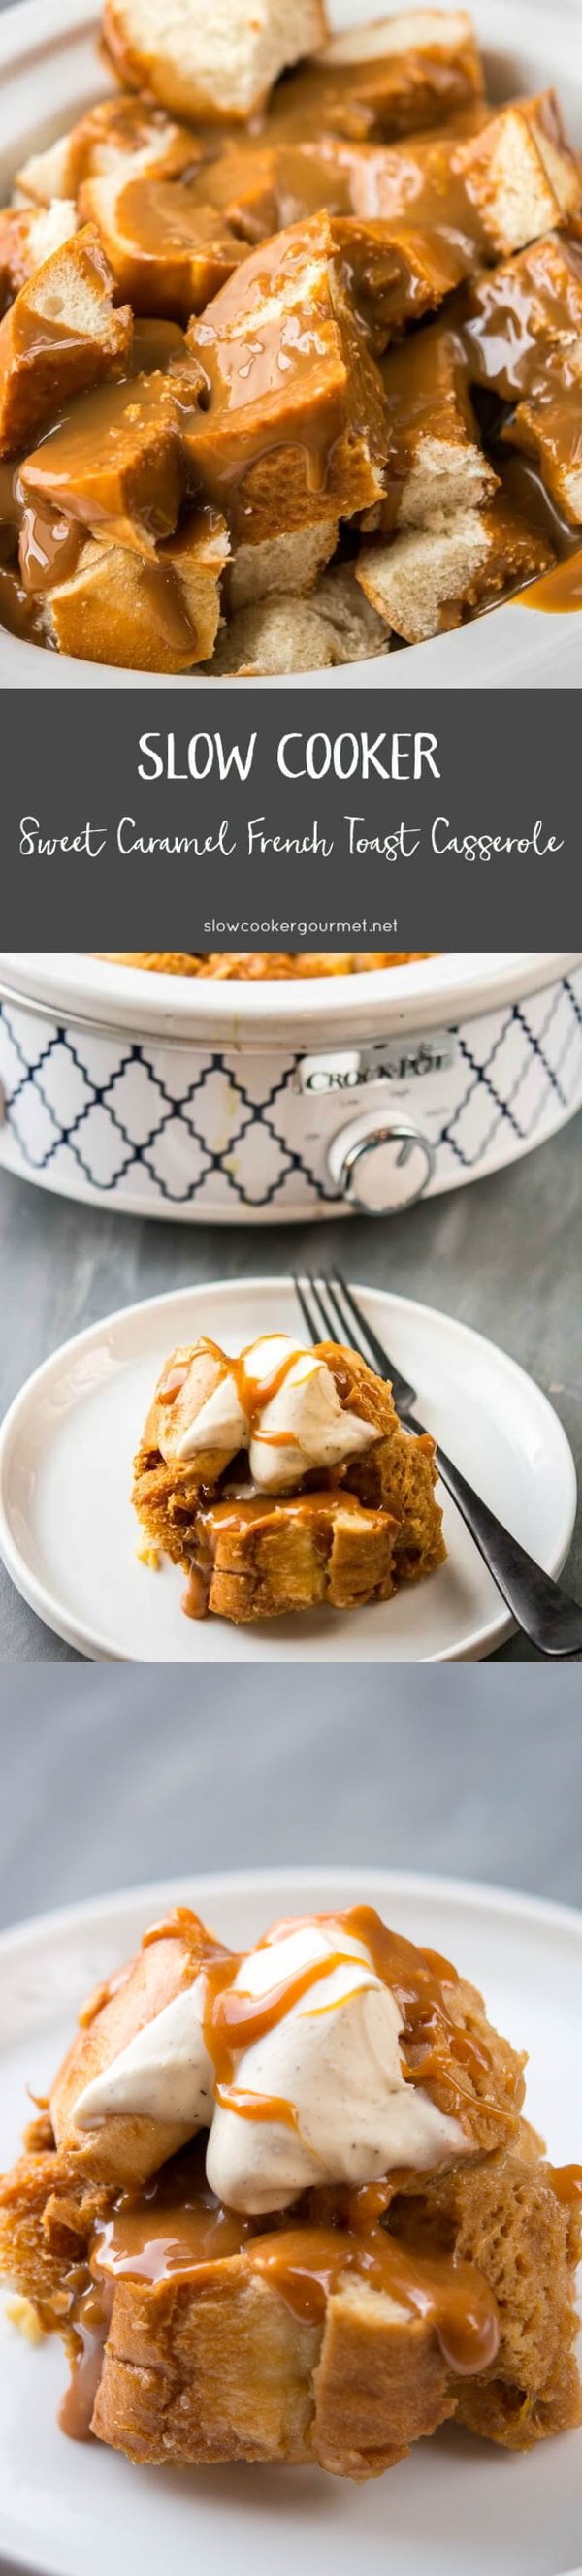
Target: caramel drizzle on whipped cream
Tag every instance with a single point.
(434, 2049)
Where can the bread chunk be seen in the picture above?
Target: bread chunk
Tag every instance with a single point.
(436, 463)
(264, 1559)
(519, 174)
(169, 253)
(287, 565)
(281, 633)
(427, 579)
(548, 429)
(60, 336)
(524, 339)
(393, 76)
(116, 463)
(28, 237)
(295, 424)
(205, 61)
(526, 320)
(144, 615)
(111, 134)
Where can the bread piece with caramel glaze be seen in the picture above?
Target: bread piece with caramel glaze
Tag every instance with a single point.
(28, 237)
(390, 77)
(207, 61)
(169, 252)
(113, 135)
(523, 338)
(295, 425)
(436, 462)
(143, 614)
(115, 465)
(60, 336)
(429, 578)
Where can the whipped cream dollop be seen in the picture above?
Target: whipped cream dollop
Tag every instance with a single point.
(327, 2060)
(165, 2073)
(278, 1403)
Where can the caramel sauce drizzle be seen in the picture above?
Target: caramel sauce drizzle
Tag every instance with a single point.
(177, 2231)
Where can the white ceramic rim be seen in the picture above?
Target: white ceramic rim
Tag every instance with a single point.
(93, 1644)
(130, 1000)
(516, 645)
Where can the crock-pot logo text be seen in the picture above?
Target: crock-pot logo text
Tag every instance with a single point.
(315, 755)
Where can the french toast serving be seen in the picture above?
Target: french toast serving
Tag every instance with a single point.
(290, 369)
(282, 1481)
(283, 2206)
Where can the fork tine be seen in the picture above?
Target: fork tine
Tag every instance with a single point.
(326, 1330)
(379, 1354)
(309, 1318)
(403, 1392)
(346, 1325)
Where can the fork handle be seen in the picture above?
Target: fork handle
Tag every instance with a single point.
(545, 1612)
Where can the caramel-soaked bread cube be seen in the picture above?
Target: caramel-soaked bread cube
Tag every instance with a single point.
(60, 336)
(436, 461)
(210, 59)
(526, 319)
(295, 425)
(519, 174)
(398, 1472)
(523, 337)
(208, 2370)
(262, 1559)
(281, 633)
(549, 429)
(428, 579)
(287, 565)
(120, 607)
(381, 2383)
(28, 236)
(169, 253)
(115, 463)
(506, 2217)
(396, 275)
(115, 131)
(391, 77)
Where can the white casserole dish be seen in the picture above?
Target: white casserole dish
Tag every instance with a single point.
(203, 1101)
(50, 70)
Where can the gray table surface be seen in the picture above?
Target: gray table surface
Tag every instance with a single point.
(504, 1255)
(109, 1780)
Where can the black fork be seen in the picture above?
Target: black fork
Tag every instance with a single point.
(545, 1612)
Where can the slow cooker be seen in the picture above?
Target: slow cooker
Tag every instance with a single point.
(205, 1101)
(50, 70)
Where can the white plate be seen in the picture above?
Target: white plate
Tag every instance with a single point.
(457, 2507)
(68, 1534)
(50, 69)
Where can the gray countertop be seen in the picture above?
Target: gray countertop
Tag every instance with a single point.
(504, 1255)
(442, 1772)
